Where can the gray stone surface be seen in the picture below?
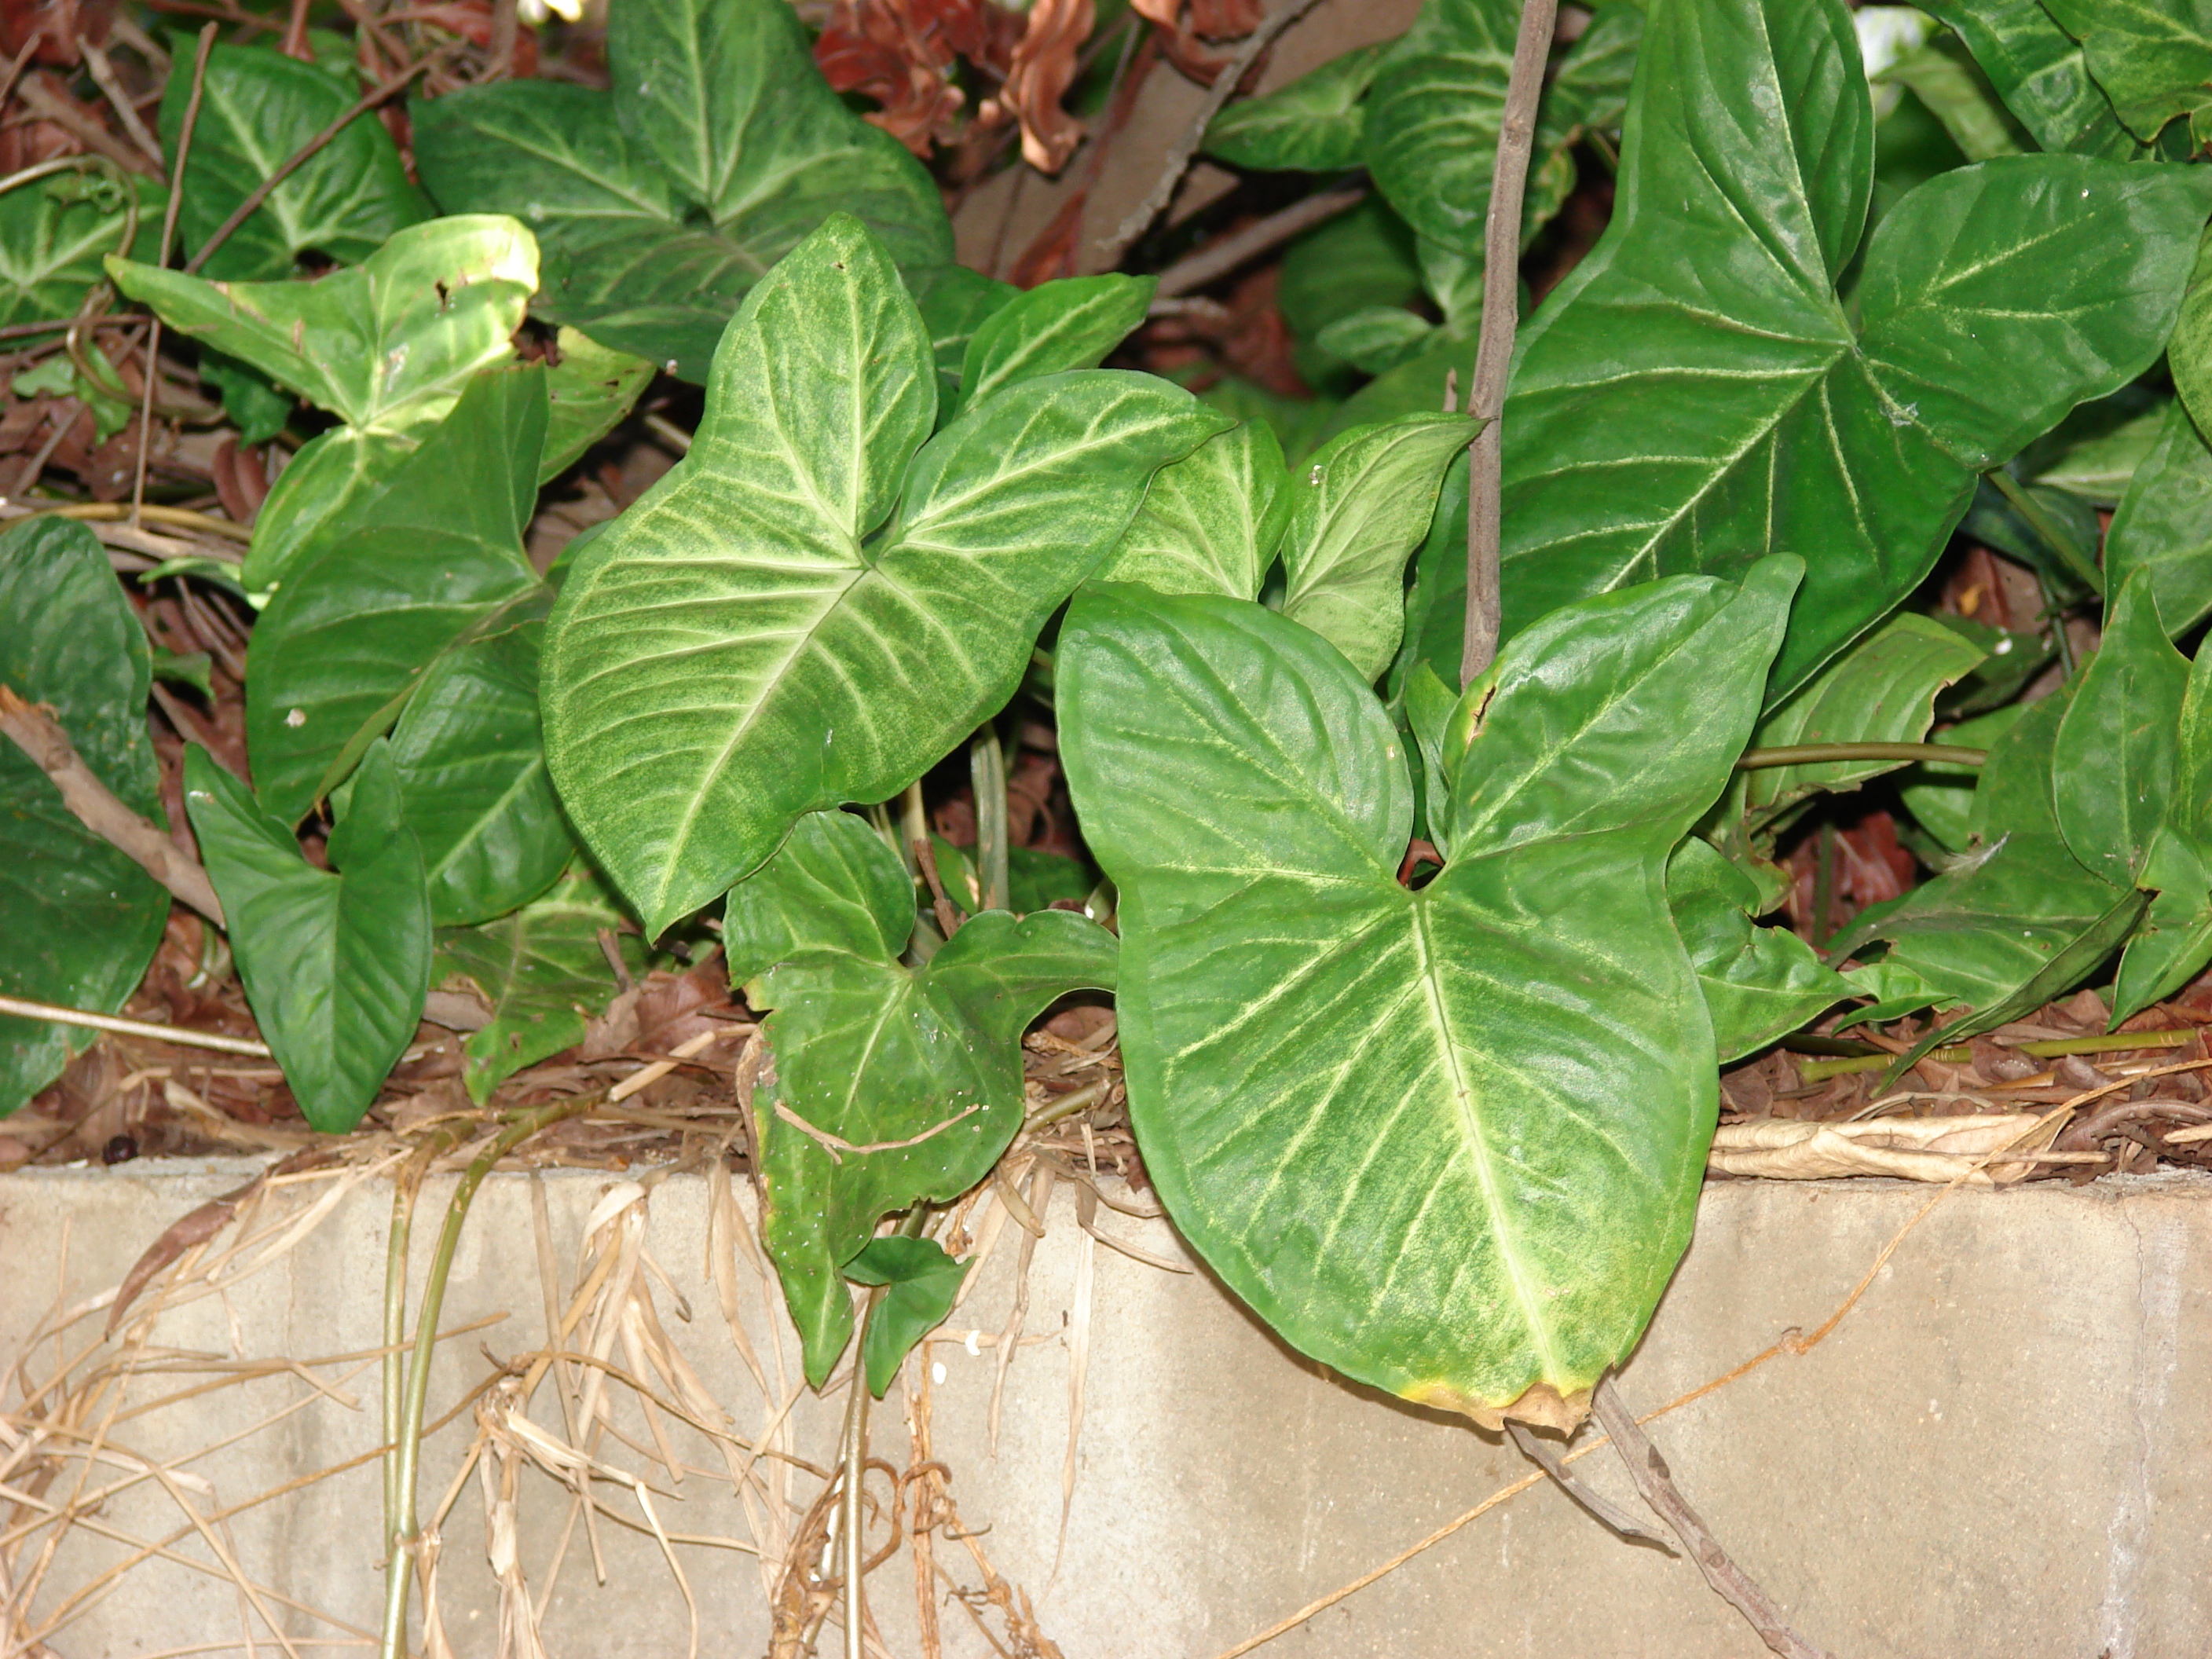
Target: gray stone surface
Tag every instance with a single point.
(2001, 1451)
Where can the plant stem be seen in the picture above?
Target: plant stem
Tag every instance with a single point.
(521, 1125)
(1824, 884)
(855, 1466)
(1819, 1071)
(1649, 1471)
(1195, 270)
(1811, 754)
(987, 768)
(1501, 316)
(162, 257)
(2040, 521)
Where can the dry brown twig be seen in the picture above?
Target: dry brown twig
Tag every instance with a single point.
(93, 805)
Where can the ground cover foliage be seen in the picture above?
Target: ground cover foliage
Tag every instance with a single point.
(581, 530)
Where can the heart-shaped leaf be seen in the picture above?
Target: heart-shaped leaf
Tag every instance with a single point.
(1055, 326)
(720, 663)
(257, 109)
(2041, 72)
(433, 562)
(2154, 61)
(886, 1084)
(55, 231)
(661, 203)
(1759, 982)
(544, 973)
(1315, 125)
(335, 962)
(1357, 510)
(78, 920)
(1381, 1114)
(1212, 521)
(1696, 397)
(923, 1283)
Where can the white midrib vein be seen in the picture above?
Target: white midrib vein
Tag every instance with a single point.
(1479, 1149)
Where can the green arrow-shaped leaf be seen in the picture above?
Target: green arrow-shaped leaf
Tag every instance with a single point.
(78, 920)
(2152, 58)
(55, 231)
(923, 1281)
(2041, 72)
(2113, 773)
(1698, 397)
(335, 965)
(1315, 125)
(1055, 326)
(721, 661)
(1447, 1141)
(1212, 521)
(887, 1085)
(2164, 524)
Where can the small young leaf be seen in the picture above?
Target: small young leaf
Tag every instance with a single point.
(53, 239)
(257, 107)
(1759, 982)
(923, 1282)
(335, 965)
(544, 974)
(1212, 521)
(78, 920)
(1375, 339)
(1315, 125)
(954, 302)
(829, 888)
(1358, 508)
(1055, 326)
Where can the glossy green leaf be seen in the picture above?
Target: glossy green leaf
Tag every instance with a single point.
(2017, 922)
(433, 562)
(544, 974)
(330, 480)
(720, 663)
(1435, 599)
(55, 231)
(59, 376)
(2113, 773)
(954, 302)
(1361, 259)
(1211, 522)
(2152, 58)
(1357, 510)
(1390, 1119)
(1037, 880)
(2098, 464)
(871, 1053)
(1433, 114)
(1313, 125)
(78, 920)
(255, 406)
(1940, 795)
(472, 761)
(2164, 524)
(2189, 354)
(1696, 397)
(1759, 982)
(1947, 82)
(2040, 71)
(335, 962)
(1375, 339)
(923, 1283)
(588, 393)
(1296, 422)
(2174, 942)
(1882, 690)
(1055, 326)
(661, 203)
(258, 109)
(828, 887)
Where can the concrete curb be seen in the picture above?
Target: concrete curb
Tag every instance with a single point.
(2002, 1451)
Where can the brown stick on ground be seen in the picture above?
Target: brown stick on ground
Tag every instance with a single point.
(33, 731)
(1501, 315)
(1734, 1585)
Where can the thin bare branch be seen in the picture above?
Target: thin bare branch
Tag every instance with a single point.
(162, 257)
(24, 1008)
(1600, 1508)
(1179, 158)
(1493, 355)
(36, 734)
(1218, 259)
(1649, 1471)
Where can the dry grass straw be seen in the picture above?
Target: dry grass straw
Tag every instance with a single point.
(93, 1389)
